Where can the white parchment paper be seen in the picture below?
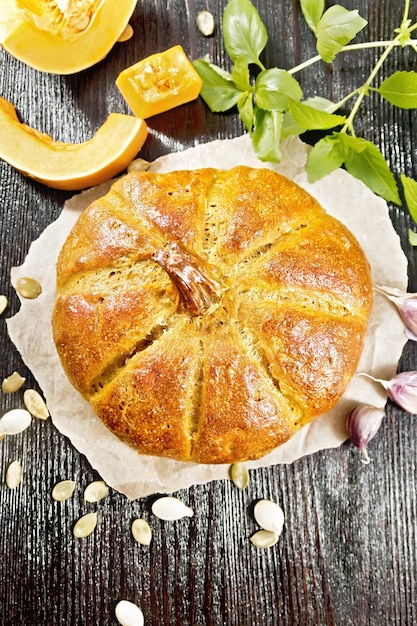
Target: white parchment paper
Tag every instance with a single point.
(136, 475)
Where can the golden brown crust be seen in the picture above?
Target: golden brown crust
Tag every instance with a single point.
(207, 315)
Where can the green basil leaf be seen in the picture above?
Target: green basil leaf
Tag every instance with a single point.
(313, 119)
(218, 92)
(273, 89)
(335, 29)
(412, 237)
(410, 193)
(371, 168)
(266, 136)
(241, 75)
(400, 89)
(322, 104)
(325, 157)
(312, 11)
(245, 108)
(244, 33)
(289, 127)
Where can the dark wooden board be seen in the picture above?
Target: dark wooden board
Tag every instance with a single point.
(348, 552)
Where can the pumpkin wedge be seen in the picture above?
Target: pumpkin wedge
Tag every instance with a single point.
(62, 40)
(70, 166)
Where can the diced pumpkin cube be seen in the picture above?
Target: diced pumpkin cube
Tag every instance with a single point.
(159, 83)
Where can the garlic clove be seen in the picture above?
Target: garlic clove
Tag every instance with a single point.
(406, 304)
(362, 424)
(402, 389)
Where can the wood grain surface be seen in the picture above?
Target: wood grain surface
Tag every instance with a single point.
(348, 552)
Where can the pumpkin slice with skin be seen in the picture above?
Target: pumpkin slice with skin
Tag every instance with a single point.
(70, 166)
(62, 41)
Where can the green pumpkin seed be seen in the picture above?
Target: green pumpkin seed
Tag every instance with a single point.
(28, 287)
(138, 165)
(63, 490)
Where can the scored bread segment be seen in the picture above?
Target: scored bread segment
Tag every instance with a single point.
(207, 315)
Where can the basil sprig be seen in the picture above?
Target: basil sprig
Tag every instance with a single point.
(272, 107)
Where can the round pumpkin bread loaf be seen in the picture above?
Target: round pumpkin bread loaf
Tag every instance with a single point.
(207, 315)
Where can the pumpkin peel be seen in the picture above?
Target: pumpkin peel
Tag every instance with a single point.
(62, 41)
(70, 166)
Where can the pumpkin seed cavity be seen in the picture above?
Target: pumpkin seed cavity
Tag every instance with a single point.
(171, 509)
(141, 531)
(96, 491)
(14, 475)
(63, 490)
(35, 404)
(85, 525)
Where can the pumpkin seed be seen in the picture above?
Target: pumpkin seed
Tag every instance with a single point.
(15, 421)
(128, 614)
(28, 287)
(264, 539)
(138, 165)
(269, 516)
(171, 509)
(85, 525)
(95, 491)
(14, 475)
(126, 34)
(3, 303)
(35, 404)
(12, 383)
(63, 490)
(141, 531)
(239, 475)
(205, 23)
